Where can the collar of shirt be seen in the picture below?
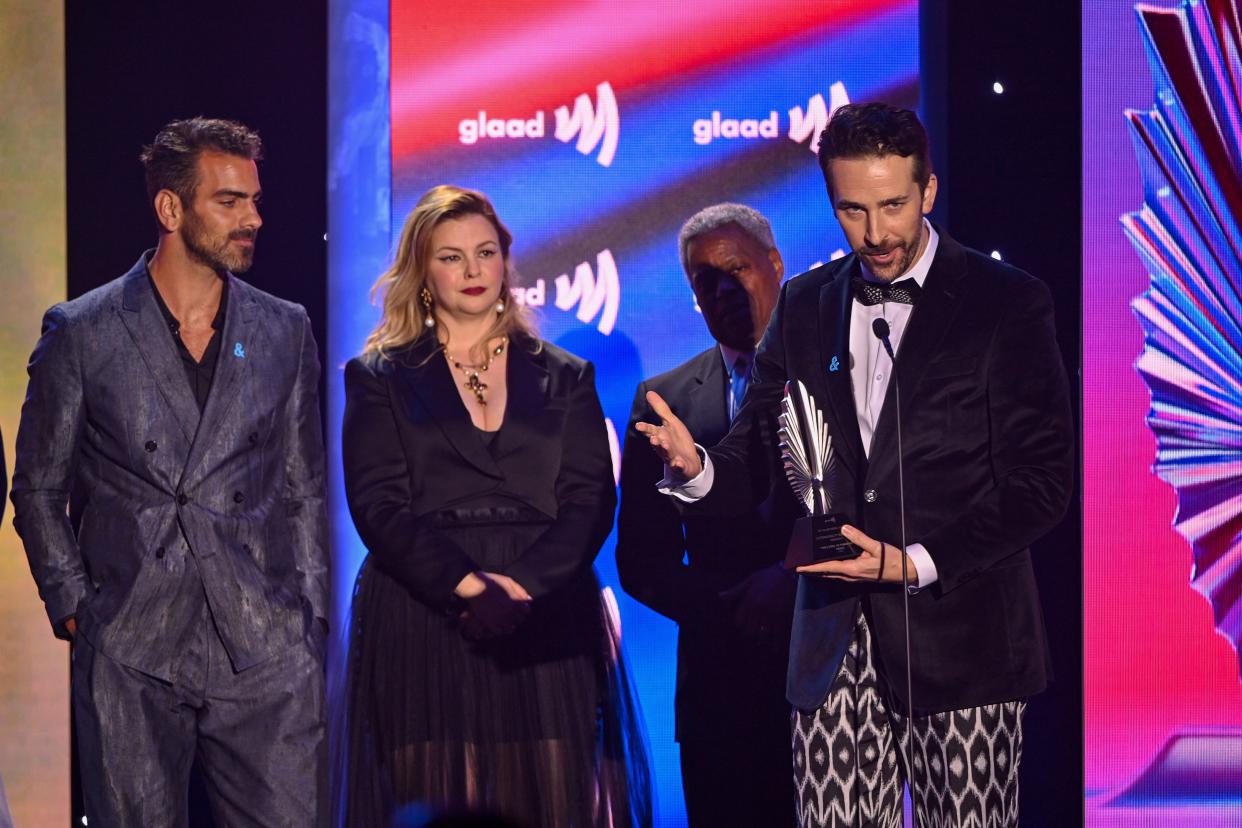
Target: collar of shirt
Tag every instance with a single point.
(174, 324)
(870, 367)
(731, 355)
(918, 271)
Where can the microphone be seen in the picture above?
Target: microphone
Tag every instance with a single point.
(879, 327)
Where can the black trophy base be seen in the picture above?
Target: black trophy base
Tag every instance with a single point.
(818, 538)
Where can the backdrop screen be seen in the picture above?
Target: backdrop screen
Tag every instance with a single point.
(597, 130)
(34, 666)
(1162, 385)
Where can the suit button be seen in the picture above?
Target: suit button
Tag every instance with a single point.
(151, 445)
(870, 496)
(246, 548)
(159, 553)
(238, 497)
(253, 437)
(182, 499)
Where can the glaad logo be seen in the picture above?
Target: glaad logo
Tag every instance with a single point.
(717, 127)
(812, 123)
(596, 292)
(593, 293)
(471, 130)
(802, 125)
(592, 123)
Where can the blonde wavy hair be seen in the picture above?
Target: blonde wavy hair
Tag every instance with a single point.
(397, 291)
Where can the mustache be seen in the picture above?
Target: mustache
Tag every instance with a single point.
(243, 235)
(880, 251)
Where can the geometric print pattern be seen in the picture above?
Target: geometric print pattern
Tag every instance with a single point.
(845, 767)
(966, 766)
(849, 767)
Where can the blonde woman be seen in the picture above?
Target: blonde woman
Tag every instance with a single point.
(478, 474)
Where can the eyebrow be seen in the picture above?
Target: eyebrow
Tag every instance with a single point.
(459, 250)
(725, 264)
(842, 204)
(235, 194)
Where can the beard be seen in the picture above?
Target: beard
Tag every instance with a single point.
(908, 251)
(216, 252)
(897, 267)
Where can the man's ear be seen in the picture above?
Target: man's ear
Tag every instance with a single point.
(168, 210)
(929, 194)
(778, 264)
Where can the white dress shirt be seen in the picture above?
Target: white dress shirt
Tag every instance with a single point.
(870, 372)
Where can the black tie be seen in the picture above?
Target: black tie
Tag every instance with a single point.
(905, 291)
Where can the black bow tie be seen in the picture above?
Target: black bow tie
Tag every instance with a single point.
(905, 291)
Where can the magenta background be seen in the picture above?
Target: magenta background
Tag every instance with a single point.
(1154, 662)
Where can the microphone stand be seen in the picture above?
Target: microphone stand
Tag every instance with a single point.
(881, 330)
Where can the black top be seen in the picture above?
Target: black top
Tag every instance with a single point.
(199, 373)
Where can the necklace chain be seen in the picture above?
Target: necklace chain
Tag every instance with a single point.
(471, 372)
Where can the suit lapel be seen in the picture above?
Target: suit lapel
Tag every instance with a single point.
(933, 316)
(835, 304)
(146, 326)
(238, 350)
(425, 375)
(706, 398)
(527, 378)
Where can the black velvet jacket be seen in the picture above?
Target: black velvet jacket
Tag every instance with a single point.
(988, 443)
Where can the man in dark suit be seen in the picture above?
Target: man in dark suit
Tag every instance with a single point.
(988, 457)
(719, 578)
(180, 406)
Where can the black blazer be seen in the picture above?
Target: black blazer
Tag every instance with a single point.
(989, 463)
(409, 450)
(720, 675)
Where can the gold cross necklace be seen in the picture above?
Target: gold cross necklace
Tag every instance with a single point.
(471, 372)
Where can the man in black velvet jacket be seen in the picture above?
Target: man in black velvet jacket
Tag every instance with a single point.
(988, 450)
(730, 597)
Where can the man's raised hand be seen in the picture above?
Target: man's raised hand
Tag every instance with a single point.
(671, 440)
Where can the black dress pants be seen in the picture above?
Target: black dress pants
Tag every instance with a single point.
(735, 782)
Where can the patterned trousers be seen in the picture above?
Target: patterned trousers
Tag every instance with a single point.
(849, 764)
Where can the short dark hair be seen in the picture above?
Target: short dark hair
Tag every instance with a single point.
(171, 160)
(875, 129)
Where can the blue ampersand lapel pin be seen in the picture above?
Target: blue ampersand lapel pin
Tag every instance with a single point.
(239, 351)
(834, 365)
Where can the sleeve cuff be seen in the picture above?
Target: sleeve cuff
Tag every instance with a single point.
(696, 488)
(924, 567)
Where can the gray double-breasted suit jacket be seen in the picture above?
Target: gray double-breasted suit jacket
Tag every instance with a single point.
(176, 507)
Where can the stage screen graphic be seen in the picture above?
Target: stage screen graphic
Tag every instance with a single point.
(1162, 390)
(597, 129)
(34, 666)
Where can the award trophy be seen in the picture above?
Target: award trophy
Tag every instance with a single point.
(806, 450)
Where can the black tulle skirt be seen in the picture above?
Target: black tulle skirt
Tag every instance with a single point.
(538, 726)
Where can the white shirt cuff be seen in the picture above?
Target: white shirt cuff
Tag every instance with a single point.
(924, 566)
(696, 488)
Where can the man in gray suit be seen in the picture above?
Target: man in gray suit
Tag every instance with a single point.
(179, 405)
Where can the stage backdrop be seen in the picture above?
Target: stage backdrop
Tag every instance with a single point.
(596, 129)
(1162, 390)
(34, 666)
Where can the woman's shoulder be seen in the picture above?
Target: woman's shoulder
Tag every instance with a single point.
(384, 362)
(555, 358)
(369, 364)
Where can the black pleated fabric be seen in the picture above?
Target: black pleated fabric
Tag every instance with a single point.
(538, 726)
